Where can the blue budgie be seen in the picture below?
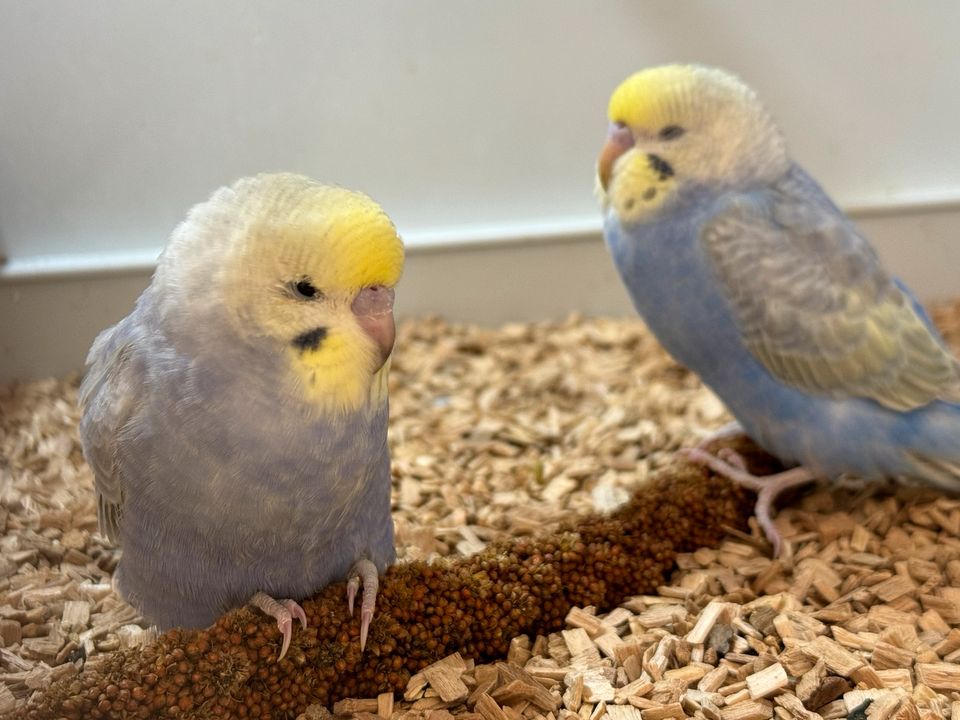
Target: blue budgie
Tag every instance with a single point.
(751, 277)
(236, 419)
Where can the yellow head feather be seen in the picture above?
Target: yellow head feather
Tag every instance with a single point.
(343, 236)
(241, 255)
(654, 98)
(346, 243)
(704, 122)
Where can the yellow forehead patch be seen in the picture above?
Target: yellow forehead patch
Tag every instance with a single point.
(349, 240)
(654, 98)
(297, 228)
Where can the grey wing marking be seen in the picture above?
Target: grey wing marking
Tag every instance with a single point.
(815, 306)
(110, 395)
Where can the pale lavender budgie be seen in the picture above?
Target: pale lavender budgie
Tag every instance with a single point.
(750, 276)
(236, 420)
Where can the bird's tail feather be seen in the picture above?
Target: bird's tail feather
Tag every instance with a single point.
(943, 473)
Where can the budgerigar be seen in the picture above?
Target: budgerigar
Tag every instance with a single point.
(751, 277)
(236, 419)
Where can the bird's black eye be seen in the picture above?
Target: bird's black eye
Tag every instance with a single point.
(305, 289)
(671, 132)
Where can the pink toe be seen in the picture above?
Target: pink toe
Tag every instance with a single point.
(364, 572)
(352, 585)
(733, 457)
(285, 627)
(365, 618)
(296, 612)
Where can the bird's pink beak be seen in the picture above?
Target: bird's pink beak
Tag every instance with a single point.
(619, 140)
(373, 307)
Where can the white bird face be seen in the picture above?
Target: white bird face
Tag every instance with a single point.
(310, 269)
(689, 123)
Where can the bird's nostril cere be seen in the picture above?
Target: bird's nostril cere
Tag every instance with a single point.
(620, 134)
(373, 309)
(373, 300)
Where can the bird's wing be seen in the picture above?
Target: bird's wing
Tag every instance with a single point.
(110, 397)
(815, 306)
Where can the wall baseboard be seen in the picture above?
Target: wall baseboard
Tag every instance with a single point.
(52, 308)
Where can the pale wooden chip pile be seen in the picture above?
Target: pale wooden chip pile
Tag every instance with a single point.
(493, 433)
(859, 619)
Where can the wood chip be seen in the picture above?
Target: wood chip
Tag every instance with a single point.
(950, 643)
(517, 690)
(385, 705)
(939, 676)
(714, 611)
(499, 432)
(8, 701)
(578, 641)
(350, 706)
(887, 656)
(623, 712)
(672, 711)
(579, 618)
(444, 677)
(836, 657)
(767, 682)
(489, 708)
(519, 651)
(896, 677)
(416, 685)
(895, 587)
(866, 676)
(748, 710)
(795, 708)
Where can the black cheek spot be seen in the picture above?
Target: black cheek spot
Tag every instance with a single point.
(628, 205)
(310, 340)
(660, 166)
(650, 193)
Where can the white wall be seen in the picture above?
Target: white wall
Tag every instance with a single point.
(118, 116)
(464, 119)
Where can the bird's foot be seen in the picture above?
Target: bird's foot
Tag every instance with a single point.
(729, 464)
(284, 612)
(363, 572)
(729, 431)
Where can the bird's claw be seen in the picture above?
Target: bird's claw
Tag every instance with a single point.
(296, 612)
(363, 572)
(366, 617)
(284, 612)
(353, 584)
(284, 625)
(730, 464)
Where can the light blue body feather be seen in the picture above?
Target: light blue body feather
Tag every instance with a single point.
(676, 285)
(227, 487)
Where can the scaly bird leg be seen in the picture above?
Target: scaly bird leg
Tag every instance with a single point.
(729, 431)
(284, 612)
(365, 572)
(731, 466)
